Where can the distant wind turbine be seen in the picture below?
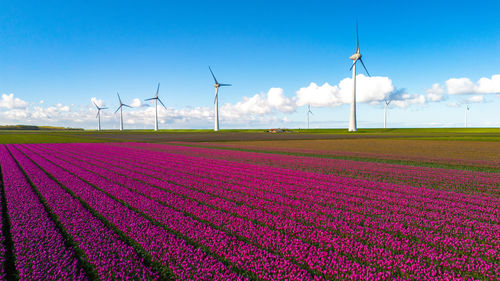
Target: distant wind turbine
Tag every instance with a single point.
(98, 116)
(157, 99)
(355, 57)
(387, 102)
(467, 108)
(308, 112)
(121, 111)
(216, 100)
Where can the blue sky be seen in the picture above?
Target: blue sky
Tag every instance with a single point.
(66, 52)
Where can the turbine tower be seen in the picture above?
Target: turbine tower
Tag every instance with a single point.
(121, 111)
(216, 100)
(308, 112)
(387, 102)
(466, 111)
(355, 57)
(98, 116)
(157, 99)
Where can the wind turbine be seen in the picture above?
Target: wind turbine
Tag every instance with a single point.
(216, 100)
(98, 116)
(121, 111)
(387, 102)
(308, 111)
(355, 57)
(157, 99)
(467, 108)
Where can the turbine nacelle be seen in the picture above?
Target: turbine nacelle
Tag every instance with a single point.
(355, 56)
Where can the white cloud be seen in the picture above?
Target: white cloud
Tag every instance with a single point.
(476, 99)
(405, 100)
(436, 93)
(10, 102)
(98, 102)
(259, 104)
(461, 86)
(278, 101)
(368, 89)
(319, 96)
(372, 90)
(138, 103)
(489, 86)
(458, 86)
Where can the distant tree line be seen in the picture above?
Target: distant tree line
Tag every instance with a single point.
(31, 127)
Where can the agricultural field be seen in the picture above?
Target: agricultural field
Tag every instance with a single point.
(478, 155)
(249, 210)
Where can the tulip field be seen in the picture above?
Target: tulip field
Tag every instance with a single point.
(141, 211)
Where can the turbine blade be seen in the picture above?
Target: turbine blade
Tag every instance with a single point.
(95, 104)
(213, 75)
(97, 113)
(126, 105)
(352, 65)
(357, 38)
(158, 90)
(150, 99)
(119, 98)
(118, 108)
(162, 103)
(215, 99)
(365, 67)
(103, 108)
(225, 85)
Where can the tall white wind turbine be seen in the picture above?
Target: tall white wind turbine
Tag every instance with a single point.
(98, 116)
(308, 112)
(387, 102)
(157, 99)
(121, 111)
(216, 100)
(467, 108)
(355, 58)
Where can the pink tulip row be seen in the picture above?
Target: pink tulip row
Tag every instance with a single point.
(438, 178)
(38, 245)
(232, 173)
(174, 254)
(3, 239)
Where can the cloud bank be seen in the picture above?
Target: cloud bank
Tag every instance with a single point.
(264, 109)
(371, 90)
(465, 89)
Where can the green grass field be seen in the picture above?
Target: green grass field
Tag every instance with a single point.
(63, 136)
